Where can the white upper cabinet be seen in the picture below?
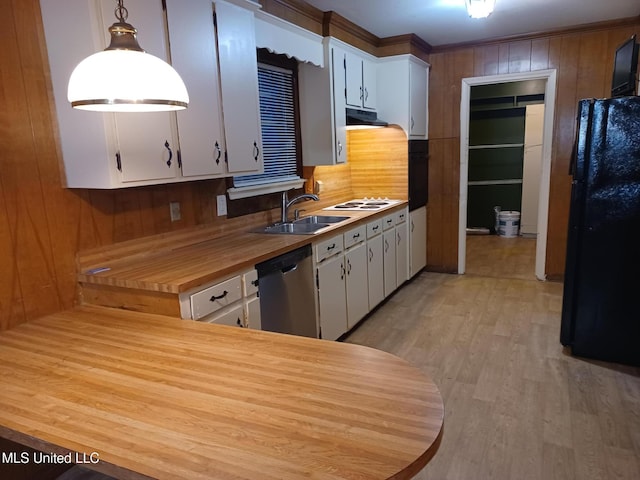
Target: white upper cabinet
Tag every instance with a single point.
(404, 79)
(194, 56)
(107, 150)
(322, 122)
(239, 82)
(360, 74)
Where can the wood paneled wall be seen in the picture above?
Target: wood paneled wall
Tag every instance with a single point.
(584, 62)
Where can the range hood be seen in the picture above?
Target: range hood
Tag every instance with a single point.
(357, 117)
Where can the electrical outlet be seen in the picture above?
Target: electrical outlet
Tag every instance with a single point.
(221, 203)
(174, 210)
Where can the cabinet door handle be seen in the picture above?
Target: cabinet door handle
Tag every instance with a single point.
(412, 123)
(366, 94)
(361, 93)
(256, 151)
(218, 153)
(413, 227)
(168, 147)
(370, 254)
(239, 322)
(179, 159)
(399, 238)
(214, 298)
(348, 267)
(342, 271)
(386, 245)
(118, 162)
(339, 148)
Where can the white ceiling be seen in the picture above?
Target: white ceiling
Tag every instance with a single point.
(441, 22)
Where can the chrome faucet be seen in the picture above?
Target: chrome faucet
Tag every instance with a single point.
(286, 203)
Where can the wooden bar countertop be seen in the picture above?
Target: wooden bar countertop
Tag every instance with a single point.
(147, 396)
(174, 263)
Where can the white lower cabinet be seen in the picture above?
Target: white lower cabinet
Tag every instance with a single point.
(230, 301)
(233, 317)
(418, 240)
(332, 297)
(389, 254)
(375, 263)
(343, 291)
(402, 248)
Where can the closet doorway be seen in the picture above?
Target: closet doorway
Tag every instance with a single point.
(492, 122)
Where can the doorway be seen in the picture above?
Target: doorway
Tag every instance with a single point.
(549, 76)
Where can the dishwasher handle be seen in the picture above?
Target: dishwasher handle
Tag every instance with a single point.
(289, 268)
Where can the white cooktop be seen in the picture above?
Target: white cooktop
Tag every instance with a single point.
(371, 204)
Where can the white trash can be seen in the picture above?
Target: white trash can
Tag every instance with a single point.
(508, 223)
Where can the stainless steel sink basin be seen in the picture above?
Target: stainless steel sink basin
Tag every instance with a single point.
(314, 219)
(295, 228)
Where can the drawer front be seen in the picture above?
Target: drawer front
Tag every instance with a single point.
(355, 236)
(250, 282)
(388, 221)
(328, 248)
(215, 297)
(401, 216)
(233, 318)
(374, 228)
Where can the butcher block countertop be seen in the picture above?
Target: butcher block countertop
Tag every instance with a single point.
(195, 259)
(156, 397)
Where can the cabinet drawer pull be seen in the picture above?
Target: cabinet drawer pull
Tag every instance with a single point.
(168, 147)
(256, 150)
(254, 282)
(218, 153)
(214, 298)
(375, 228)
(357, 235)
(331, 247)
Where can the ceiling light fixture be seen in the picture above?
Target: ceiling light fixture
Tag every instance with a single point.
(479, 8)
(124, 78)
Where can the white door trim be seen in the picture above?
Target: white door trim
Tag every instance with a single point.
(545, 178)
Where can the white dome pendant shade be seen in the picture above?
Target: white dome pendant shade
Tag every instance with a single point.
(124, 78)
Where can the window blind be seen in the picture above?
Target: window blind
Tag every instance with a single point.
(277, 116)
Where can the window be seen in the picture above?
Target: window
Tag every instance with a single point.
(277, 81)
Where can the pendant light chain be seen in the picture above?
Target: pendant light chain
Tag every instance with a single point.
(121, 12)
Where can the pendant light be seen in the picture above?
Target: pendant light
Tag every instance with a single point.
(124, 78)
(480, 8)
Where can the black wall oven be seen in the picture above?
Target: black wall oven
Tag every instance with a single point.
(418, 173)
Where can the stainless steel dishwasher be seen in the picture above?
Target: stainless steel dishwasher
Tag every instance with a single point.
(287, 296)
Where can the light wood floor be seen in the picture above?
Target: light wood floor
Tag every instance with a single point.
(517, 405)
(494, 256)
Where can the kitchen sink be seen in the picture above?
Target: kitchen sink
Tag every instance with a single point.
(305, 225)
(315, 219)
(295, 228)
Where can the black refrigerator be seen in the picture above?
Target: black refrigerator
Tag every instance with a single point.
(601, 298)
